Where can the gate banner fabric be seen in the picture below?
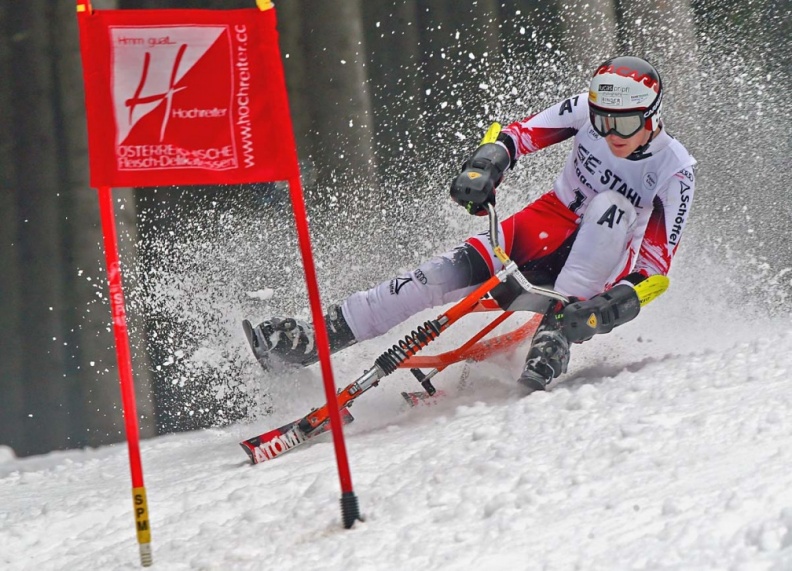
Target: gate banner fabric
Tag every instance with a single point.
(180, 97)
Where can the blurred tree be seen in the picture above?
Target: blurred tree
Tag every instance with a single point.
(339, 103)
(90, 344)
(394, 63)
(57, 360)
(33, 130)
(461, 55)
(292, 45)
(12, 395)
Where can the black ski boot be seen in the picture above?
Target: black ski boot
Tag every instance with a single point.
(549, 354)
(287, 341)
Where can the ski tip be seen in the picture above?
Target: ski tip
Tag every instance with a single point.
(248, 450)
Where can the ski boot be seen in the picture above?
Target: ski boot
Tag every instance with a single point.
(287, 341)
(575, 322)
(548, 357)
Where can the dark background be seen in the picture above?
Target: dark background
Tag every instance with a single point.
(387, 98)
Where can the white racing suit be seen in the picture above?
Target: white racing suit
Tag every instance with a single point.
(605, 218)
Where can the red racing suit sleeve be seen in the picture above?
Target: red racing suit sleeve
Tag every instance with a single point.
(548, 127)
(666, 224)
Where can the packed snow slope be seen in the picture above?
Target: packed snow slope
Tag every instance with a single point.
(667, 446)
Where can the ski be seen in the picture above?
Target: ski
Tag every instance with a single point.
(274, 443)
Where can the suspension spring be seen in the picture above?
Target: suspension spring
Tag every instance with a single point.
(390, 360)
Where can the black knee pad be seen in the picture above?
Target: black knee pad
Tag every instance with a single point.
(475, 267)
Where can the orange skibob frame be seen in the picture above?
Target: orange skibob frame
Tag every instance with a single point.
(403, 355)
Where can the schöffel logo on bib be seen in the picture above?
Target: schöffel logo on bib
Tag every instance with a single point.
(168, 115)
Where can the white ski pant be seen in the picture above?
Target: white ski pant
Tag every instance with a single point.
(599, 254)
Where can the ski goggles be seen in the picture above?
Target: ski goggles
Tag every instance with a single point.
(623, 124)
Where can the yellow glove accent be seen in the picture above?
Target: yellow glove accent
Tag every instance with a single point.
(492, 134)
(651, 288)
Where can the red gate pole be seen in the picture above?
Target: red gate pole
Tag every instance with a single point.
(350, 510)
(139, 501)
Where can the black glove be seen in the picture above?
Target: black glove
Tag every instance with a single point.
(481, 174)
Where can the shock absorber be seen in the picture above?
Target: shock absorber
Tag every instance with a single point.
(390, 360)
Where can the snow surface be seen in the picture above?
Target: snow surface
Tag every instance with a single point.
(667, 446)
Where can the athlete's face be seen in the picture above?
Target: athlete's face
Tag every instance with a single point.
(623, 148)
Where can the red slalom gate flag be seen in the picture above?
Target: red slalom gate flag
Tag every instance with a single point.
(178, 97)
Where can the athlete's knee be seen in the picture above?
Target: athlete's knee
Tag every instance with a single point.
(600, 250)
(452, 271)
